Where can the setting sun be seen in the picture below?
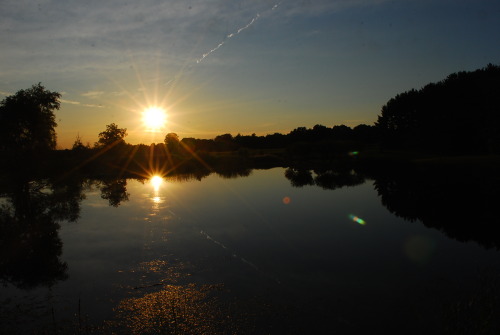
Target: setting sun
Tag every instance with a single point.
(154, 118)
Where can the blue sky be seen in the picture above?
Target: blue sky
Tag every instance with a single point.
(236, 66)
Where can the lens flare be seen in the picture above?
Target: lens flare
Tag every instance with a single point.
(357, 219)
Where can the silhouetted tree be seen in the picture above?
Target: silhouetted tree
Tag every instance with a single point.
(172, 142)
(365, 133)
(300, 134)
(224, 142)
(27, 120)
(112, 136)
(189, 143)
(78, 145)
(341, 132)
(457, 114)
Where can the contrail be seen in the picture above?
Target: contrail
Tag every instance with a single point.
(228, 37)
(245, 27)
(255, 18)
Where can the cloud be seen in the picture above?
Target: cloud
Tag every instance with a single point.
(82, 40)
(92, 94)
(118, 93)
(72, 102)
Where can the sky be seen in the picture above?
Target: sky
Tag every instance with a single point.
(235, 66)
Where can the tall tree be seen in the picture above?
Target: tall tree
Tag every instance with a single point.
(27, 120)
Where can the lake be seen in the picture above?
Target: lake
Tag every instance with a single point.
(271, 251)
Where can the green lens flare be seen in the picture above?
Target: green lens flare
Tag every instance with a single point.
(357, 219)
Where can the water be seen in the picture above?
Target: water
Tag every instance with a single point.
(276, 252)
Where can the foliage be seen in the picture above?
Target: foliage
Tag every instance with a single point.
(27, 120)
(78, 144)
(457, 114)
(112, 136)
(115, 191)
(31, 210)
(172, 142)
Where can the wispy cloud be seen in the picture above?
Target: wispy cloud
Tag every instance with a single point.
(96, 37)
(92, 94)
(72, 102)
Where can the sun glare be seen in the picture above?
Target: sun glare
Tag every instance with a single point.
(154, 118)
(156, 181)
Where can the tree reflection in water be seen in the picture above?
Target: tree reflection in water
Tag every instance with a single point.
(459, 202)
(114, 190)
(326, 178)
(31, 210)
(29, 222)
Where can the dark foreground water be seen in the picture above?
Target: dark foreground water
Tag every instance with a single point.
(276, 252)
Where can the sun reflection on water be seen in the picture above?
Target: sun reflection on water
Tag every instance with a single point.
(174, 309)
(156, 182)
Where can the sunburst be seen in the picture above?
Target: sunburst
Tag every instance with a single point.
(154, 118)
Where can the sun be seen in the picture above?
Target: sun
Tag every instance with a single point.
(154, 118)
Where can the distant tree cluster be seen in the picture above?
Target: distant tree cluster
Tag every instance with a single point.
(303, 135)
(459, 114)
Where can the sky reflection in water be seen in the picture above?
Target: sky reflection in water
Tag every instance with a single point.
(252, 255)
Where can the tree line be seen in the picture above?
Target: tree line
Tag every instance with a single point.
(114, 136)
(459, 114)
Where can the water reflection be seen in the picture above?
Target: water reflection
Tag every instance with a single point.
(326, 178)
(156, 182)
(162, 296)
(114, 190)
(30, 213)
(175, 309)
(460, 203)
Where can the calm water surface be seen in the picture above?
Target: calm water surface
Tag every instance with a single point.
(252, 255)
